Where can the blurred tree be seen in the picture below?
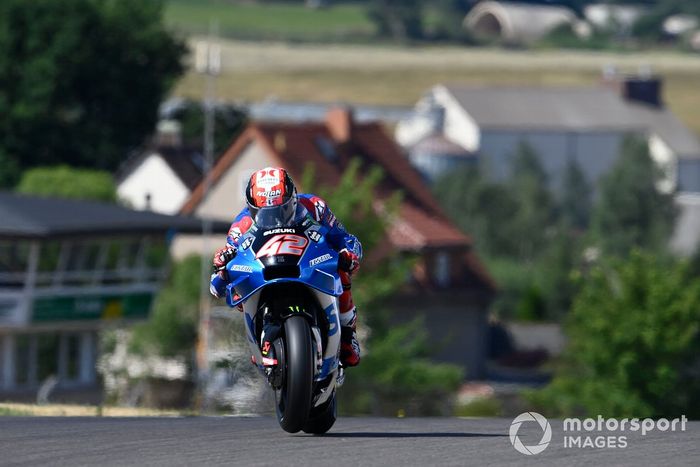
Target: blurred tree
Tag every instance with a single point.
(634, 343)
(9, 170)
(67, 182)
(444, 20)
(529, 251)
(558, 265)
(229, 121)
(535, 214)
(171, 330)
(650, 25)
(399, 19)
(481, 208)
(631, 212)
(575, 205)
(81, 80)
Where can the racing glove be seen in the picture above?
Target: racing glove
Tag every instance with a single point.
(222, 257)
(348, 261)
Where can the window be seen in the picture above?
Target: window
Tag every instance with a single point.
(14, 261)
(442, 269)
(83, 256)
(14, 256)
(326, 147)
(49, 256)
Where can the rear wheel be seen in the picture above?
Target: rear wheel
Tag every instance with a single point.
(293, 398)
(322, 418)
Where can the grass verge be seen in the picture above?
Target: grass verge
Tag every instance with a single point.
(271, 21)
(481, 407)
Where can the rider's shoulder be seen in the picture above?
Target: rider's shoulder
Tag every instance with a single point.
(309, 197)
(314, 204)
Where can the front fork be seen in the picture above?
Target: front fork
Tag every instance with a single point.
(271, 331)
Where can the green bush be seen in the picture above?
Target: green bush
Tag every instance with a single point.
(172, 327)
(67, 182)
(634, 343)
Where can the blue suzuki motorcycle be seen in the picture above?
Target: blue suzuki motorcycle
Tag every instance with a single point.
(287, 280)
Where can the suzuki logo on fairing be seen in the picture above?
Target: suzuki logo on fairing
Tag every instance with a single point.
(278, 231)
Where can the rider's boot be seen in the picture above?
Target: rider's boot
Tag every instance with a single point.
(349, 346)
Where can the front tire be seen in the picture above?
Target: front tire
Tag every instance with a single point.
(322, 418)
(293, 399)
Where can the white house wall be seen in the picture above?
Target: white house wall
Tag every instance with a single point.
(184, 245)
(411, 130)
(595, 153)
(459, 127)
(664, 157)
(155, 177)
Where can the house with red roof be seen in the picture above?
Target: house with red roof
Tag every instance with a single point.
(449, 286)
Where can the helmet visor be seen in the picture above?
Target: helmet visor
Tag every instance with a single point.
(274, 216)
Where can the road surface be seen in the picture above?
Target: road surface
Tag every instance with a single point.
(353, 441)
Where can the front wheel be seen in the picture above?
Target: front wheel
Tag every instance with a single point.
(322, 418)
(293, 399)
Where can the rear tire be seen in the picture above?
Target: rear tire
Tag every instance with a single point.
(293, 400)
(322, 419)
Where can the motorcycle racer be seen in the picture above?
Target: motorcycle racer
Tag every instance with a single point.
(272, 201)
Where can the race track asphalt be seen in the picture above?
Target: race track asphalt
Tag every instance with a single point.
(253, 441)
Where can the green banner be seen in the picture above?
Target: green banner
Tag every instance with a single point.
(92, 307)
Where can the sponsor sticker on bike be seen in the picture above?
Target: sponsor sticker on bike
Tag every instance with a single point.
(314, 235)
(320, 259)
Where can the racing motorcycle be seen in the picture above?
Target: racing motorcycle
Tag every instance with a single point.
(287, 281)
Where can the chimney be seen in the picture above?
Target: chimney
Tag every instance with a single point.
(168, 133)
(643, 87)
(339, 121)
(280, 142)
(646, 90)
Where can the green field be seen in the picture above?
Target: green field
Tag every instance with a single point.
(270, 21)
(399, 75)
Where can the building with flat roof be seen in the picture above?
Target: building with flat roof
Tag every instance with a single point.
(67, 269)
(585, 124)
